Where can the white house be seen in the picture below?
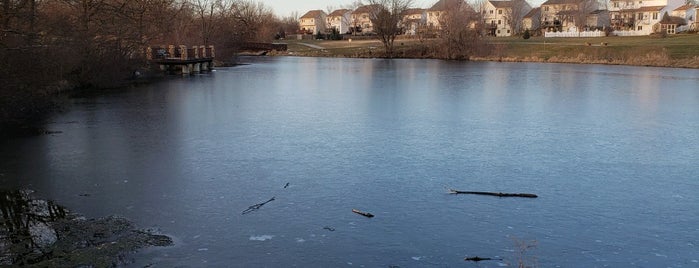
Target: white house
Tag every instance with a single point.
(504, 18)
(639, 17)
(413, 20)
(566, 15)
(340, 20)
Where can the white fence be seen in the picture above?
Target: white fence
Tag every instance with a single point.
(595, 33)
(629, 33)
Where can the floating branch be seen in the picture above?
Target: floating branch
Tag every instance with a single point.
(477, 259)
(365, 214)
(495, 194)
(256, 206)
(286, 185)
(329, 228)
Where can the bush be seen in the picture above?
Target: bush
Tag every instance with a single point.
(526, 35)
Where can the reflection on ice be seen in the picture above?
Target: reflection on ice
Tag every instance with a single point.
(261, 237)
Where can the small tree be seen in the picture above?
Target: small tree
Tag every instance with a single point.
(386, 18)
(319, 35)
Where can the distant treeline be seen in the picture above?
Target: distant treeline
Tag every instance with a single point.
(47, 47)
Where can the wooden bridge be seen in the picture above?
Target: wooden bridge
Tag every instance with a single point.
(191, 60)
(251, 46)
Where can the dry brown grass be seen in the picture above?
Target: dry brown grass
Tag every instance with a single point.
(681, 51)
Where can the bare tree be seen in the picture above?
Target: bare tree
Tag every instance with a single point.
(386, 17)
(460, 33)
(579, 13)
(515, 14)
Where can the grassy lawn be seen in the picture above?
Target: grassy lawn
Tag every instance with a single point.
(676, 46)
(681, 50)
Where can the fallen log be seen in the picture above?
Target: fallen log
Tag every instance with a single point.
(365, 214)
(494, 194)
(477, 259)
(256, 206)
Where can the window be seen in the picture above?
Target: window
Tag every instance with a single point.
(640, 16)
(499, 22)
(508, 31)
(498, 31)
(491, 12)
(616, 4)
(640, 27)
(546, 8)
(655, 15)
(500, 11)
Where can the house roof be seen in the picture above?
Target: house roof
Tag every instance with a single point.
(312, 14)
(413, 11)
(535, 11)
(650, 9)
(444, 5)
(501, 4)
(667, 19)
(599, 11)
(339, 13)
(685, 7)
(559, 2)
(366, 9)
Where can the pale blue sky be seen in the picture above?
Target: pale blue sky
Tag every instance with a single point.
(286, 7)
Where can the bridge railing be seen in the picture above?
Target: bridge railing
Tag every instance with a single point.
(181, 52)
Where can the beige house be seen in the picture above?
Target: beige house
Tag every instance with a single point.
(688, 12)
(436, 14)
(340, 20)
(414, 20)
(640, 17)
(312, 22)
(597, 20)
(531, 21)
(361, 19)
(504, 18)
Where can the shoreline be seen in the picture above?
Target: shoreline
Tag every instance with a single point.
(678, 51)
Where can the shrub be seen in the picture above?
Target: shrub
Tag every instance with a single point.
(526, 35)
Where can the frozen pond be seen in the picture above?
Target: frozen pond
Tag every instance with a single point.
(611, 151)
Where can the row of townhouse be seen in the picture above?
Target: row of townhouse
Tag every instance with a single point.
(359, 20)
(641, 17)
(508, 17)
(342, 20)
